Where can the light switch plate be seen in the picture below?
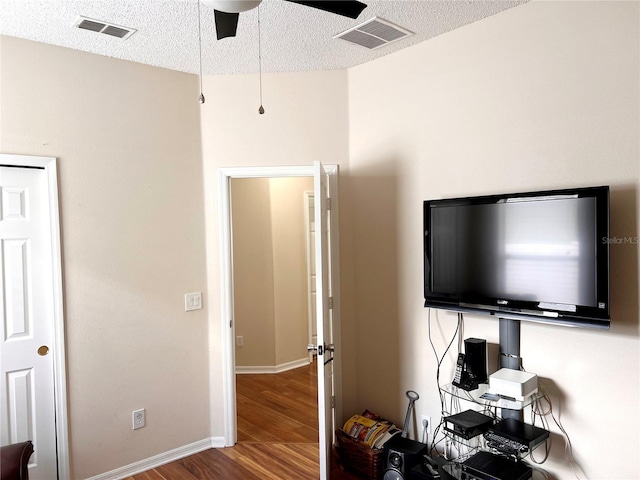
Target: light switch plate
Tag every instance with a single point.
(192, 301)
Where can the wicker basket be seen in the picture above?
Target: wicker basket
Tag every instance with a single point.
(358, 458)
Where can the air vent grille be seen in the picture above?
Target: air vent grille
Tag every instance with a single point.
(374, 33)
(99, 26)
(115, 31)
(89, 25)
(363, 39)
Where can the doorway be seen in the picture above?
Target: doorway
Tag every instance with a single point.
(33, 394)
(276, 380)
(329, 368)
(270, 273)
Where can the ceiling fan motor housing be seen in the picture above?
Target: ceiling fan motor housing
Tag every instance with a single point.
(232, 6)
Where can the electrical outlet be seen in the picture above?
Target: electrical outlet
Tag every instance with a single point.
(239, 341)
(423, 419)
(137, 418)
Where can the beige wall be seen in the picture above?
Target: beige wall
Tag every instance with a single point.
(545, 95)
(290, 267)
(253, 267)
(270, 265)
(127, 139)
(541, 96)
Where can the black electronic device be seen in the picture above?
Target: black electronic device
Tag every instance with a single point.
(420, 472)
(471, 366)
(540, 256)
(505, 445)
(401, 455)
(427, 469)
(468, 424)
(488, 466)
(475, 359)
(434, 468)
(514, 432)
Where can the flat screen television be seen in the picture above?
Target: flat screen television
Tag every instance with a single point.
(540, 256)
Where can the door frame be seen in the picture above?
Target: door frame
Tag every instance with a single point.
(308, 243)
(49, 165)
(226, 271)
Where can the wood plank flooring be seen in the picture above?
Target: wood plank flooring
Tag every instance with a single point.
(277, 435)
(279, 407)
(244, 461)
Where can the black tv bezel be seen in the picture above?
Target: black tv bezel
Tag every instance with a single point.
(584, 316)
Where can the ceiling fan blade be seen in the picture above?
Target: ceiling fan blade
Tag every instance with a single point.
(346, 8)
(226, 24)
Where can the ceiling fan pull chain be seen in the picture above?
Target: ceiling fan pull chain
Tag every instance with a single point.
(201, 99)
(261, 109)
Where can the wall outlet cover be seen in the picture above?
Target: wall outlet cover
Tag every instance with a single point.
(138, 418)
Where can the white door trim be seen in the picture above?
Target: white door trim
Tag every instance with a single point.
(228, 328)
(311, 340)
(49, 165)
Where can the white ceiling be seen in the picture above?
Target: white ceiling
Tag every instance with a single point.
(293, 37)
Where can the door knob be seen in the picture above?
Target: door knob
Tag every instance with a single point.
(43, 350)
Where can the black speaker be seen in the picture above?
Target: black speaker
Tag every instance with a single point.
(475, 359)
(401, 455)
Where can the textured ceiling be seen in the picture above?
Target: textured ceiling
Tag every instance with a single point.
(293, 37)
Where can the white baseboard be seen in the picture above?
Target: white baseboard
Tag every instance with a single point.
(161, 459)
(217, 442)
(283, 367)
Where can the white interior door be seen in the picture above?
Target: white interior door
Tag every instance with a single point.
(28, 306)
(325, 347)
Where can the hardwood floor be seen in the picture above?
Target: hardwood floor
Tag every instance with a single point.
(277, 435)
(279, 407)
(245, 461)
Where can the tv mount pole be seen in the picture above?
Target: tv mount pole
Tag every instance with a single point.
(510, 355)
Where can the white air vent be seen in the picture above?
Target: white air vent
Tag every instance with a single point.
(374, 33)
(99, 26)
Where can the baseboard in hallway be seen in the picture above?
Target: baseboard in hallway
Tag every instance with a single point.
(271, 369)
(150, 463)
